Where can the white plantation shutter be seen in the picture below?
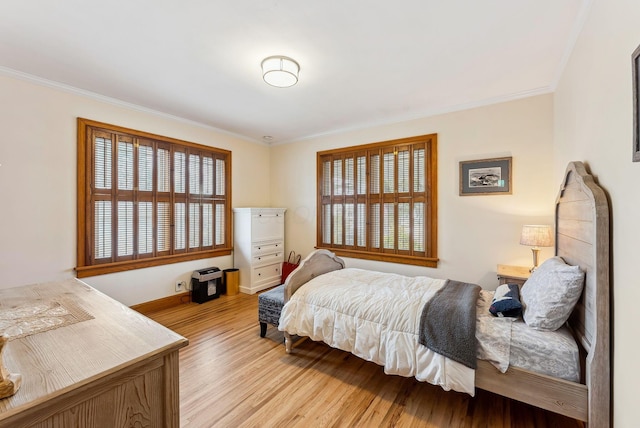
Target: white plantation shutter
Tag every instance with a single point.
(145, 227)
(194, 174)
(179, 172)
(374, 226)
(164, 227)
(326, 224)
(388, 173)
(179, 226)
(374, 173)
(207, 225)
(221, 203)
(207, 176)
(125, 228)
(103, 227)
(194, 225)
(337, 224)
(125, 165)
(389, 226)
(102, 215)
(164, 170)
(326, 181)
(362, 175)
(145, 168)
(149, 198)
(418, 227)
(403, 171)
(362, 225)
(418, 171)
(404, 228)
(376, 200)
(349, 225)
(145, 205)
(220, 177)
(220, 222)
(348, 176)
(124, 208)
(337, 177)
(102, 163)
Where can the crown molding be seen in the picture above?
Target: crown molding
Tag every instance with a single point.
(8, 72)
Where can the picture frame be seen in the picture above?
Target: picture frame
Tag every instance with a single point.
(485, 177)
(635, 60)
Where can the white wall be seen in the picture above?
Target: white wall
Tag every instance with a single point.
(593, 123)
(38, 186)
(38, 163)
(475, 232)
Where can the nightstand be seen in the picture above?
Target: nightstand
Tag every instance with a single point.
(513, 274)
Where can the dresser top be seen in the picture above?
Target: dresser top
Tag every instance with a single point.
(255, 210)
(65, 334)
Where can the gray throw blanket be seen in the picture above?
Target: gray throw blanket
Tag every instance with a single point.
(448, 322)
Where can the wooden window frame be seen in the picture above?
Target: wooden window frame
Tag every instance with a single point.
(87, 265)
(428, 257)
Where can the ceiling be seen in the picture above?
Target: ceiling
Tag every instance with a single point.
(363, 63)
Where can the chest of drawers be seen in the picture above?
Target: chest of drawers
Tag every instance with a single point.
(258, 247)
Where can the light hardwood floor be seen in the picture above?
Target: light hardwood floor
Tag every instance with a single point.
(231, 377)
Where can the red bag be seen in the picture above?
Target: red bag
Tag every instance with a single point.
(290, 265)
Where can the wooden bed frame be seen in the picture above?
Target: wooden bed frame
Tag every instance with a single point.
(582, 238)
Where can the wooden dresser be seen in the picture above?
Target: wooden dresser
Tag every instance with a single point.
(93, 363)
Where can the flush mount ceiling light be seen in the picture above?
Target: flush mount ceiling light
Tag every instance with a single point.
(280, 71)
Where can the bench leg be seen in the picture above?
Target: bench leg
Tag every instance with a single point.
(263, 329)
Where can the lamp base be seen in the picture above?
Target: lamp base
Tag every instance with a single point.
(535, 252)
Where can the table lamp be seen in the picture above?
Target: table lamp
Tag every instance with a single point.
(536, 235)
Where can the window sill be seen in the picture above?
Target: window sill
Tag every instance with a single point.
(101, 269)
(431, 262)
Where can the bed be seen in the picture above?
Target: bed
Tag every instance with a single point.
(582, 239)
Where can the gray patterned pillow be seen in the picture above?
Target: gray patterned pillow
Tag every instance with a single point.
(550, 294)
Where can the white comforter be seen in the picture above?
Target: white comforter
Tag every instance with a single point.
(376, 316)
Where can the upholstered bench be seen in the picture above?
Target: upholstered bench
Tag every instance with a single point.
(270, 305)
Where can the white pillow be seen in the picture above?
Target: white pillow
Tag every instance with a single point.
(550, 294)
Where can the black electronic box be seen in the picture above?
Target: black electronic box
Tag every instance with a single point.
(206, 284)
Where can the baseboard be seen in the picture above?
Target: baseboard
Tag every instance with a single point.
(254, 290)
(164, 303)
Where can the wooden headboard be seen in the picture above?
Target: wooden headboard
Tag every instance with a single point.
(582, 238)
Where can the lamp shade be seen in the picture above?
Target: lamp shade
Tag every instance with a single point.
(536, 235)
(280, 71)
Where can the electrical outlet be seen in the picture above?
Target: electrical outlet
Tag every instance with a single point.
(181, 286)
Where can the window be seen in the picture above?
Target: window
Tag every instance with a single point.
(146, 200)
(378, 201)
